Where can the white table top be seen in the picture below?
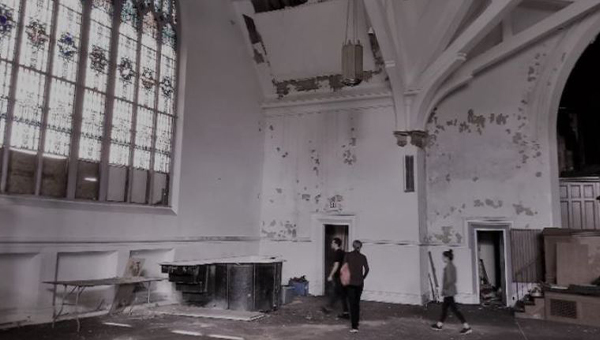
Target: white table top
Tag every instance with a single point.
(231, 260)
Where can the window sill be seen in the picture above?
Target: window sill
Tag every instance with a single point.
(54, 203)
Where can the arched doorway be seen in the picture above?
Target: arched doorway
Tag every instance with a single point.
(578, 143)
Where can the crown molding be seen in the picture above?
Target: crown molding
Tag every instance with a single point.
(343, 100)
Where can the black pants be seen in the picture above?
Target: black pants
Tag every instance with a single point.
(336, 292)
(450, 303)
(354, 293)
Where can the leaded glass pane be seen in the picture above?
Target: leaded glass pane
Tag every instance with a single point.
(143, 138)
(147, 84)
(164, 137)
(129, 13)
(29, 101)
(173, 11)
(167, 71)
(92, 126)
(68, 39)
(166, 7)
(99, 46)
(35, 43)
(2, 128)
(127, 55)
(9, 21)
(121, 133)
(162, 162)
(58, 130)
(5, 76)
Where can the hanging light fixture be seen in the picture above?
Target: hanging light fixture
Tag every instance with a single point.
(352, 50)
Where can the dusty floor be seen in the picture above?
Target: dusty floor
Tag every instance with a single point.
(303, 320)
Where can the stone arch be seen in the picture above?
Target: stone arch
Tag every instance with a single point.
(548, 92)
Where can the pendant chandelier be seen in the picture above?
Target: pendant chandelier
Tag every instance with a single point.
(352, 50)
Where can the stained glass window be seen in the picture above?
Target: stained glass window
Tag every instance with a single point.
(9, 20)
(60, 77)
(6, 74)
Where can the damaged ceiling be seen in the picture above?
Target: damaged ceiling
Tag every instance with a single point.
(414, 50)
(297, 49)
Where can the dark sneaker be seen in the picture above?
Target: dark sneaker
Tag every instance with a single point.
(354, 330)
(435, 327)
(466, 331)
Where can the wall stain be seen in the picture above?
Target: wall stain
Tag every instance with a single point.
(446, 236)
(520, 209)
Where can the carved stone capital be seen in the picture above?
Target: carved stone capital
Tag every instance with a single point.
(401, 138)
(417, 138)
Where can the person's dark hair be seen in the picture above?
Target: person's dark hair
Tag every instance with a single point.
(337, 241)
(449, 254)
(356, 245)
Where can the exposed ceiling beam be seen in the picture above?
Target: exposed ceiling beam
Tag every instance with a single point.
(518, 42)
(390, 50)
(489, 19)
(447, 18)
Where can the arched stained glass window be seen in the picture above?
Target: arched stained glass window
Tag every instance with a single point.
(87, 98)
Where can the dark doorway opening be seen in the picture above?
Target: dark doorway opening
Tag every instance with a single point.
(332, 231)
(578, 118)
(491, 259)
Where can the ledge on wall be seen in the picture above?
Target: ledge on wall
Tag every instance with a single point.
(343, 100)
(54, 203)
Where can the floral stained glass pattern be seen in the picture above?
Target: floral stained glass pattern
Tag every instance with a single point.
(35, 45)
(99, 47)
(127, 53)
(9, 16)
(96, 81)
(47, 90)
(66, 58)
(168, 70)
(147, 86)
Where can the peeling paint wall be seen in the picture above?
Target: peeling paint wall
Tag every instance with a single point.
(484, 160)
(343, 156)
(349, 157)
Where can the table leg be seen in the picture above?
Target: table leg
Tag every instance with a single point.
(148, 290)
(62, 305)
(79, 291)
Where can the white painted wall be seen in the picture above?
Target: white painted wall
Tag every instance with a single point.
(216, 193)
(486, 160)
(349, 153)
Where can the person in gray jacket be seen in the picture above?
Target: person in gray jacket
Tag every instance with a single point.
(448, 292)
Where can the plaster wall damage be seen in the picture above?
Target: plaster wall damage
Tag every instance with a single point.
(484, 158)
(344, 157)
(291, 62)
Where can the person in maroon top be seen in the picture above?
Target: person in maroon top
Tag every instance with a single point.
(335, 290)
(359, 269)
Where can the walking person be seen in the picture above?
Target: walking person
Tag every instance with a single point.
(448, 292)
(358, 269)
(335, 290)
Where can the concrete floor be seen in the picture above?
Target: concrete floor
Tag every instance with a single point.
(303, 320)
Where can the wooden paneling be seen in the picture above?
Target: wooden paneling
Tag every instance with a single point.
(579, 207)
(527, 257)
